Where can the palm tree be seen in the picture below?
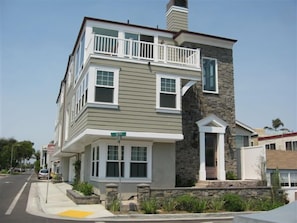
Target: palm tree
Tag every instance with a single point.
(276, 123)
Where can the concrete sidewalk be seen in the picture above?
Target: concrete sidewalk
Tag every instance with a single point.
(58, 206)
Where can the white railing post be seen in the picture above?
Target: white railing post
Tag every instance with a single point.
(165, 53)
(130, 48)
(198, 58)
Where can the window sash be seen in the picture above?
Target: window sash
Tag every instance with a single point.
(138, 170)
(284, 179)
(112, 169)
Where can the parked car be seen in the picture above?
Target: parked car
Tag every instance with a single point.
(43, 174)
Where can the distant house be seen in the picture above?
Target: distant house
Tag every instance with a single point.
(169, 93)
(281, 155)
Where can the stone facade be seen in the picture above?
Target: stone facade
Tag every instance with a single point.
(197, 105)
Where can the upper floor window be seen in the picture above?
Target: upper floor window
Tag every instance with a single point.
(291, 145)
(270, 146)
(79, 57)
(168, 92)
(210, 75)
(106, 86)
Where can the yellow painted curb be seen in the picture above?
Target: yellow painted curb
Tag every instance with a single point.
(75, 214)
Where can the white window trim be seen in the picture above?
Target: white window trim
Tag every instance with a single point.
(177, 79)
(217, 82)
(127, 161)
(92, 86)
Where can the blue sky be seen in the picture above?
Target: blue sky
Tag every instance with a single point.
(37, 36)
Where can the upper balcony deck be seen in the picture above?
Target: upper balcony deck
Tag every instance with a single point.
(145, 51)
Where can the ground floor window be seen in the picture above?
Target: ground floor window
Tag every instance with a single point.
(135, 161)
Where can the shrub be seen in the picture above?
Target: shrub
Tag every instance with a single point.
(233, 202)
(114, 206)
(230, 175)
(190, 204)
(216, 204)
(149, 206)
(83, 187)
(169, 204)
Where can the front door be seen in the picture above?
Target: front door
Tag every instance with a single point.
(211, 156)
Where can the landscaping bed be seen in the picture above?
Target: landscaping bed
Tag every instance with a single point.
(80, 198)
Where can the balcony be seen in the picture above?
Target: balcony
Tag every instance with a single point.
(147, 51)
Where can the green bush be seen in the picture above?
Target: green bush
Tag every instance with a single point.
(83, 187)
(190, 204)
(216, 204)
(114, 206)
(169, 204)
(230, 175)
(233, 202)
(149, 206)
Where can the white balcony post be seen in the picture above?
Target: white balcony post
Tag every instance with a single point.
(165, 53)
(198, 58)
(130, 48)
(120, 43)
(155, 48)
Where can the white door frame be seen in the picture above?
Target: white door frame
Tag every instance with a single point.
(212, 124)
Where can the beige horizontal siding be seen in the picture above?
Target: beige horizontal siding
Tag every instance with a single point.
(137, 102)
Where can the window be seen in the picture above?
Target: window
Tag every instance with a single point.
(79, 57)
(284, 179)
(270, 146)
(210, 75)
(112, 164)
(81, 96)
(168, 95)
(291, 145)
(242, 141)
(293, 179)
(95, 162)
(138, 165)
(104, 89)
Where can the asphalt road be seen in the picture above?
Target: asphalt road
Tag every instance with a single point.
(13, 210)
(14, 191)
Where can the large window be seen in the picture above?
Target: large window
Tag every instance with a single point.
(104, 89)
(168, 92)
(291, 145)
(95, 161)
(112, 164)
(138, 165)
(210, 75)
(81, 96)
(79, 57)
(270, 146)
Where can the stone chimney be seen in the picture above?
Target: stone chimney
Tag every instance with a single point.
(177, 15)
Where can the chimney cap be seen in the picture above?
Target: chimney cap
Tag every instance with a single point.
(180, 3)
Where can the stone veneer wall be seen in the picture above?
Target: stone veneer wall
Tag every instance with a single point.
(197, 105)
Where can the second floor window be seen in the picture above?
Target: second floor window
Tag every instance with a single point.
(210, 75)
(270, 146)
(168, 93)
(104, 89)
(291, 145)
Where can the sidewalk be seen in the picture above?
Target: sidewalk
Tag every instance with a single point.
(59, 206)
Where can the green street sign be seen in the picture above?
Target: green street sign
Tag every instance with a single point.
(117, 134)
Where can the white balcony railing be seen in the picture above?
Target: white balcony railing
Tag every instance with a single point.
(140, 50)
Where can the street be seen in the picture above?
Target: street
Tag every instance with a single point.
(14, 191)
(13, 210)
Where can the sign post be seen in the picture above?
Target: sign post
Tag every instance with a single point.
(50, 150)
(119, 136)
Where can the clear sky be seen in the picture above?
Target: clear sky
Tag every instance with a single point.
(37, 37)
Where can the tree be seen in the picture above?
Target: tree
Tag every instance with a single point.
(276, 124)
(13, 152)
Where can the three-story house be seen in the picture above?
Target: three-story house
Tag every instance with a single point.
(161, 90)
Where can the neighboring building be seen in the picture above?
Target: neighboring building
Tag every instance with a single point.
(43, 157)
(281, 155)
(170, 92)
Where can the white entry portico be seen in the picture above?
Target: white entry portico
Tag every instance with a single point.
(212, 140)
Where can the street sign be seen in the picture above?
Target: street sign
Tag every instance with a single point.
(117, 134)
